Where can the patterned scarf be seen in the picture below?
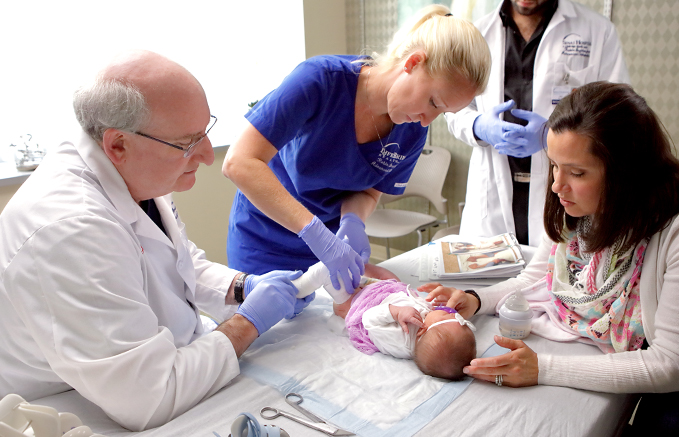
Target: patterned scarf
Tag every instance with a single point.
(597, 295)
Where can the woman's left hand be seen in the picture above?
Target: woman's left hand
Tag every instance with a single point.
(519, 368)
(352, 229)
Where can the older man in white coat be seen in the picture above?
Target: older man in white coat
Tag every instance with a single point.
(100, 288)
(541, 50)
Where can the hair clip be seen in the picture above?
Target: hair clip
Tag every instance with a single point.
(445, 308)
(448, 15)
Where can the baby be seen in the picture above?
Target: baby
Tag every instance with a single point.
(386, 316)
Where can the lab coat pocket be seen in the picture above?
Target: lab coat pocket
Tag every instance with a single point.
(566, 80)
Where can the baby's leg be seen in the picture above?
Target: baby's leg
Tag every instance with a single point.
(341, 309)
(372, 272)
(377, 272)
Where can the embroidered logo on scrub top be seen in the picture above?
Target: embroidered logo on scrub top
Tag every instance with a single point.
(174, 211)
(388, 158)
(573, 45)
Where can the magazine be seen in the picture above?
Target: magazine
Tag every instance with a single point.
(455, 257)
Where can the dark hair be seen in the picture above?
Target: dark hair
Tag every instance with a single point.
(641, 175)
(443, 353)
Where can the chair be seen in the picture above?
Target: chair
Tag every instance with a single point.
(427, 182)
(451, 229)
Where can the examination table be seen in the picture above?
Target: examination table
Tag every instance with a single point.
(482, 409)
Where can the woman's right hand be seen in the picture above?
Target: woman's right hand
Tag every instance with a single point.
(464, 303)
(340, 259)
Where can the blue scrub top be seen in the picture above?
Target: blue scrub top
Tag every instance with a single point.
(309, 118)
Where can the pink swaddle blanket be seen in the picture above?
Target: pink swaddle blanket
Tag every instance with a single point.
(370, 296)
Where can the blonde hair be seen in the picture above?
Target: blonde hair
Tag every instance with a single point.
(452, 45)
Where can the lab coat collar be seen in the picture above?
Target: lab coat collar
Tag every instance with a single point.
(168, 212)
(563, 11)
(506, 8)
(116, 189)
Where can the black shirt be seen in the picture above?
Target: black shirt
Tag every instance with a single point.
(518, 86)
(151, 210)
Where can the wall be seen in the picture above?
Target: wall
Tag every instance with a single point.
(325, 27)
(649, 33)
(205, 208)
(6, 193)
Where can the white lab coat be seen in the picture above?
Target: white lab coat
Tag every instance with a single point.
(93, 295)
(386, 333)
(488, 203)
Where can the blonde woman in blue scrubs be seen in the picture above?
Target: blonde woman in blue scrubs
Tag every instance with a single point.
(339, 131)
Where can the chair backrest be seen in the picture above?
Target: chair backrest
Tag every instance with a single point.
(427, 179)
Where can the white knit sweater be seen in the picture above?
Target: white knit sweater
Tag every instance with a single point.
(655, 369)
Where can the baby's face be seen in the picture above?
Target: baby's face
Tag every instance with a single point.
(437, 316)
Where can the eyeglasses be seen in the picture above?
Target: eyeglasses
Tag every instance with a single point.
(188, 150)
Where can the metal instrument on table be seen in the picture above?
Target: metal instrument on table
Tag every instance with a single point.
(312, 421)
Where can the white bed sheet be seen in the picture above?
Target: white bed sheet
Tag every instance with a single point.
(483, 409)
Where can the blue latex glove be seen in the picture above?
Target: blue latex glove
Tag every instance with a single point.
(301, 304)
(270, 301)
(340, 259)
(491, 129)
(352, 230)
(528, 143)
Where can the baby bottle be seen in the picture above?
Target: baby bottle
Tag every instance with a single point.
(515, 317)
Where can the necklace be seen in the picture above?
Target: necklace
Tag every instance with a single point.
(371, 112)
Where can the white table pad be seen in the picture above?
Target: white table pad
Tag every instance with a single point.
(482, 410)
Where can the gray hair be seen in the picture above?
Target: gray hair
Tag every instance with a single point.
(110, 104)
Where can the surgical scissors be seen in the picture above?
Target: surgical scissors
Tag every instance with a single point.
(294, 400)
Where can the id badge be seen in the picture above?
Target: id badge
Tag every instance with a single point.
(522, 177)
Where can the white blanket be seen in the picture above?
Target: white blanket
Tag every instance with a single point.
(366, 394)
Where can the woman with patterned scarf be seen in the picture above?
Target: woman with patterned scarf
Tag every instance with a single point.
(610, 257)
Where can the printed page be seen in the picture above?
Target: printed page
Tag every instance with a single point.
(499, 256)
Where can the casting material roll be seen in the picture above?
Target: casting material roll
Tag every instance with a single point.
(317, 277)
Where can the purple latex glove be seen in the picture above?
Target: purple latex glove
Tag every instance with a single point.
(340, 259)
(301, 304)
(528, 143)
(270, 301)
(491, 129)
(352, 230)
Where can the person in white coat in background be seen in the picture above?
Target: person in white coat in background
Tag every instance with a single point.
(100, 288)
(541, 50)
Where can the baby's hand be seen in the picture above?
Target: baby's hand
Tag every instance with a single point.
(405, 315)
